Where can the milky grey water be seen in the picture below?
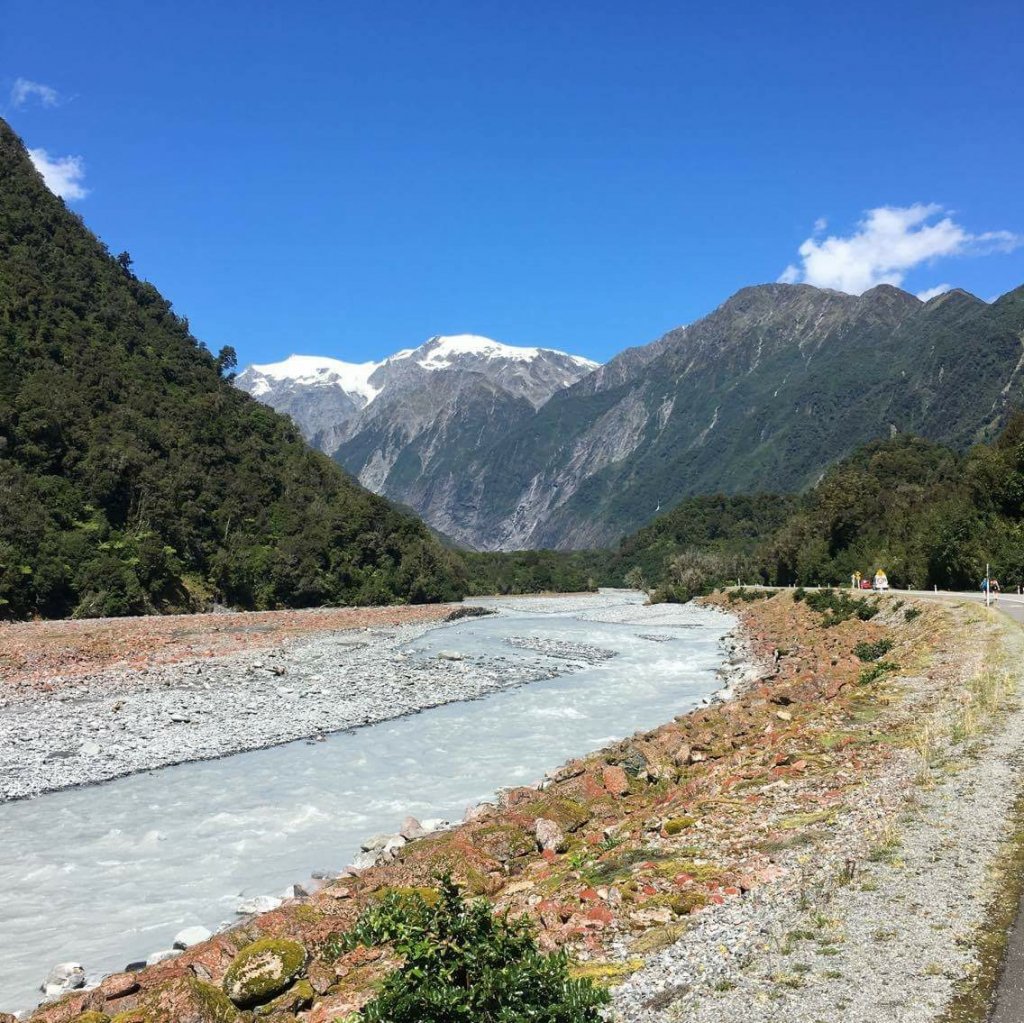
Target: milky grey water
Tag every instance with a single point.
(108, 874)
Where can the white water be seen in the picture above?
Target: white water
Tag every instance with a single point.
(108, 874)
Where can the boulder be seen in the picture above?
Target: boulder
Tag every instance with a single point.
(64, 977)
(188, 1000)
(479, 812)
(258, 904)
(191, 936)
(376, 843)
(412, 829)
(295, 891)
(432, 824)
(549, 835)
(615, 781)
(450, 655)
(117, 985)
(263, 970)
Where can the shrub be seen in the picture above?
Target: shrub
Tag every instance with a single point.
(876, 671)
(872, 651)
(462, 964)
(840, 607)
(911, 613)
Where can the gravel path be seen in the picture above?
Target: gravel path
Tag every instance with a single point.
(122, 721)
(878, 923)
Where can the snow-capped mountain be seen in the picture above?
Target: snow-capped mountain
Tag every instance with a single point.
(404, 425)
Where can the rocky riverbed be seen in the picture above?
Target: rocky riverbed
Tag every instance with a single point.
(104, 724)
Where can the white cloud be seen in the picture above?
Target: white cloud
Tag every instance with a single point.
(939, 289)
(63, 174)
(888, 242)
(23, 90)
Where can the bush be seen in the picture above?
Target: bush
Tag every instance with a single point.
(462, 964)
(911, 613)
(876, 671)
(840, 607)
(748, 596)
(872, 651)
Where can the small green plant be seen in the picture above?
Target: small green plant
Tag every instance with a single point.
(872, 651)
(611, 841)
(463, 964)
(877, 670)
(911, 613)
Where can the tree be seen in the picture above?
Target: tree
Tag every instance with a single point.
(226, 361)
(124, 260)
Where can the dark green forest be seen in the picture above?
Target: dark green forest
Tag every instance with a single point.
(537, 571)
(135, 478)
(924, 513)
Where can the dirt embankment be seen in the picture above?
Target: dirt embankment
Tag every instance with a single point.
(766, 858)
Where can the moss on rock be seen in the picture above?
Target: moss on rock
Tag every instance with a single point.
(262, 970)
(569, 814)
(92, 1017)
(504, 842)
(298, 997)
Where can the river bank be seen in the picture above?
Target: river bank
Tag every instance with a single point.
(823, 845)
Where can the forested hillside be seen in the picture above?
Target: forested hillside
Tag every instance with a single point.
(926, 514)
(134, 477)
(764, 394)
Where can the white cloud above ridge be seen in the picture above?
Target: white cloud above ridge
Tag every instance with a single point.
(887, 243)
(939, 289)
(63, 175)
(24, 89)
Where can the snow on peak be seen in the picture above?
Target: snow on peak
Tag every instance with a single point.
(441, 351)
(320, 371)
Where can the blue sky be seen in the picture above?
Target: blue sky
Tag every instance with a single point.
(347, 179)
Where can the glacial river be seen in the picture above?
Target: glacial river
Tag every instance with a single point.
(107, 874)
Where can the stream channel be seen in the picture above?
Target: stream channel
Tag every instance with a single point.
(106, 874)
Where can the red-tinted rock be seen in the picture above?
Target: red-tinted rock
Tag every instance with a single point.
(615, 781)
(117, 985)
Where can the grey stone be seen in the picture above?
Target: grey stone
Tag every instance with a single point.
(64, 977)
(191, 936)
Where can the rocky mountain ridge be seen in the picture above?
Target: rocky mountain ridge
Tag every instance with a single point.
(405, 424)
(764, 393)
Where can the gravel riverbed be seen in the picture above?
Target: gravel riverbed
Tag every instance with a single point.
(125, 720)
